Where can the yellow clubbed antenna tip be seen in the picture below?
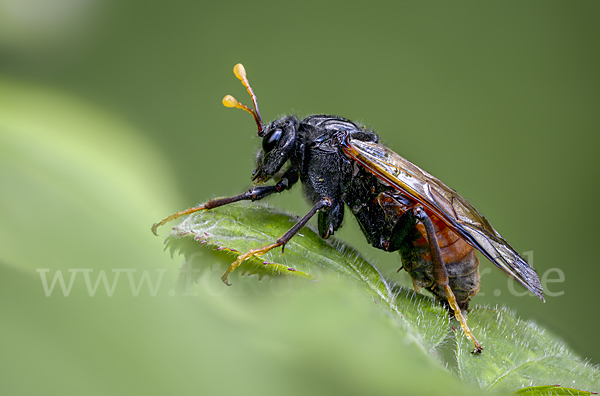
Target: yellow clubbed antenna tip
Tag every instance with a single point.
(230, 101)
(240, 72)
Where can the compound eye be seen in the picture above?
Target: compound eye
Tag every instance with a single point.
(270, 141)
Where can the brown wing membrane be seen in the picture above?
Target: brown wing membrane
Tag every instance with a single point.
(446, 204)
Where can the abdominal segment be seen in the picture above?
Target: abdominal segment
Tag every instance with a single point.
(460, 259)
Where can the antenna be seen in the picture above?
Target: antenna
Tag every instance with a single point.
(230, 101)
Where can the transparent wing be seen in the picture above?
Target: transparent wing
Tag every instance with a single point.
(446, 204)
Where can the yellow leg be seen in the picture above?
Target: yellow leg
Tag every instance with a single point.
(176, 215)
(463, 322)
(322, 203)
(416, 287)
(246, 256)
(251, 195)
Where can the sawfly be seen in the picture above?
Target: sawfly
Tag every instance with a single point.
(399, 206)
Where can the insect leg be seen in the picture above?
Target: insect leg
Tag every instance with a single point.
(441, 275)
(253, 194)
(323, 203)
(415, 286)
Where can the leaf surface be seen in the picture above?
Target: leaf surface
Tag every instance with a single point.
(519, 354)
(244, 226)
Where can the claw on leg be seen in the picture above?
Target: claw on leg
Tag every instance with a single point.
(175, 216)
(463, 322)
(323, 203)
(246, 256)
(416, 287)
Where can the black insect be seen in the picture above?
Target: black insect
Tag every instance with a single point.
(399, 206)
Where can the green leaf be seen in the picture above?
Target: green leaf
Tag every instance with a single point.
(519, 354)
(551, 390)
(238, 228)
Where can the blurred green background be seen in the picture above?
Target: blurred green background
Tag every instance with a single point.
(111, 118)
